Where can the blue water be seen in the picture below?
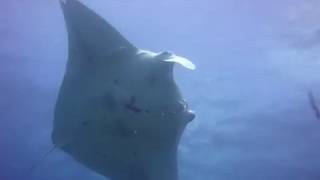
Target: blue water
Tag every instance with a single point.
(256, 62)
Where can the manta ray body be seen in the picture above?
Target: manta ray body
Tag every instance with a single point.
(119, 111)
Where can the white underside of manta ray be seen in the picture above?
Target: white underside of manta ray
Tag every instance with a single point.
(119, 111)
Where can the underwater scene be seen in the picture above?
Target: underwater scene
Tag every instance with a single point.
(159, 90)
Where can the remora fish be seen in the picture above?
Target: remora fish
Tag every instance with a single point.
(119, 111)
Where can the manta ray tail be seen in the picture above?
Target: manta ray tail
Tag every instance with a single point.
(43, 158)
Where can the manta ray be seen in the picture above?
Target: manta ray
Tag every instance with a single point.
(119, 111)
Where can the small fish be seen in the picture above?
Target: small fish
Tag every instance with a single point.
(314, 105)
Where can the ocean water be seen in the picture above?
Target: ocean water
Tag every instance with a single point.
(256, 63)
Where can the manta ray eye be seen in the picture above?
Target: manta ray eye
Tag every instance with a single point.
(164, 55)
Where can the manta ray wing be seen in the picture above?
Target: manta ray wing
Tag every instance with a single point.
(89, 32)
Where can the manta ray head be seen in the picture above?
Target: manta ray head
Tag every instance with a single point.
(119, 111)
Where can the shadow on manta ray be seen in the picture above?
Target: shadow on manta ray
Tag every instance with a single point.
(119, 111)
